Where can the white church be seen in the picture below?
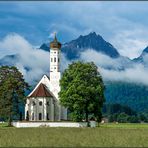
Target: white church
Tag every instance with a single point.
(43, 103)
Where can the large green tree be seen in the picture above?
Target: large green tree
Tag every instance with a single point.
(82, 91)
(12, 92)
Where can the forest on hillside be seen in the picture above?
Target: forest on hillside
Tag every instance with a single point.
(133, 95)
(126, 102)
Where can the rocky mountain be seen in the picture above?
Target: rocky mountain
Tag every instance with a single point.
(73, 48)
(90, 41)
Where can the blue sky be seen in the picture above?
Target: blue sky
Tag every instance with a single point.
(124, 24)
(25, 25)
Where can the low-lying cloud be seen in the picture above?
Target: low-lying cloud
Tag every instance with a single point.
(130, 43)
(33, 63)
(135, 73)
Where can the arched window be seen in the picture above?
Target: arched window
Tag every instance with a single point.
(33, 103)
(47, 116)
(40, 103)
(51, 59)
(58, 60)
(40, 116)
(48, 103)
(54, 59)
(27, 116)
(32, 116)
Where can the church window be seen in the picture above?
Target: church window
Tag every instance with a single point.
(47, 103)
(47, 116)
(27, 115)
(32, 116)
(54, 59)
(33, 103)
(40, 116)
(51, 59)
(40, 103)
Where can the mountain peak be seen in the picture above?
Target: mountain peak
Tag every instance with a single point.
(92, 34)
(90, 41)
(93, 41)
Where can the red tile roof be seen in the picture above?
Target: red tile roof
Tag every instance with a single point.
(41, 91)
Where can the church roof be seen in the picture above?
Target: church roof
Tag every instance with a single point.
(41, 91)
(45, 80)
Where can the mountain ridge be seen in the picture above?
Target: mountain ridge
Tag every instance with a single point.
(93, 41)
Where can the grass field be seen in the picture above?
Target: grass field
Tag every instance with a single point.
(107, 135)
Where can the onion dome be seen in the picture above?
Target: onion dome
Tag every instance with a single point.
(55, 43)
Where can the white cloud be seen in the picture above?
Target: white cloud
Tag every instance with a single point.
(130, 43)
(105, 61)
(135, 73)
(36, 60)
(33, 63)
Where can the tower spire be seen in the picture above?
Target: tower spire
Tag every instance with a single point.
(55, 38)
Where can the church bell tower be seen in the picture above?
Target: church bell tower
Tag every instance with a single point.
(55, 73)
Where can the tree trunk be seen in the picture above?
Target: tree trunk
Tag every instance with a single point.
(86, 116)
(87, 120)
(21, 116)
(10, 121)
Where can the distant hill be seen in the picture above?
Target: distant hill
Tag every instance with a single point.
(9, 60)
(133, 95)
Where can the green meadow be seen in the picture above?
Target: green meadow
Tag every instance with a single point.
(106, 135)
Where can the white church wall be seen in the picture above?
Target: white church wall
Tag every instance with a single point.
(51, 109)
(54, 83)
(26, 108)
(54, 60)
(48, 107)
(49, 124)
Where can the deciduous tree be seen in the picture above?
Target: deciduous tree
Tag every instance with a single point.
(82, 91)
(12, 91)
